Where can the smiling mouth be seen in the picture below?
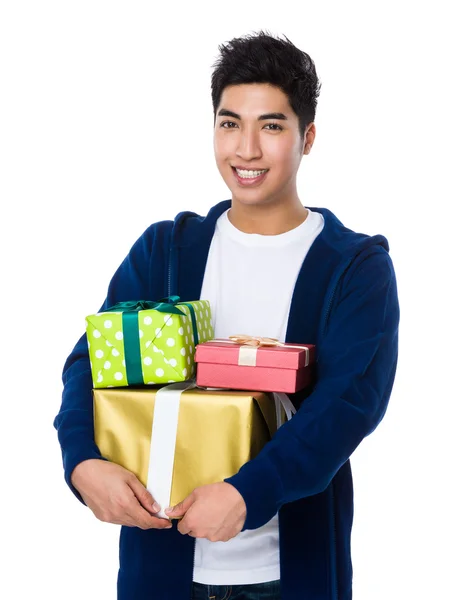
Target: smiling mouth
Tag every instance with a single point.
(249, 178)
(249, 173)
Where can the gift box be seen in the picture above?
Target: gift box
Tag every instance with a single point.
(135, 343)
(245, 362)
(178, 437)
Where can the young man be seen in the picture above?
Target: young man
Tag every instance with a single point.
(280, 528)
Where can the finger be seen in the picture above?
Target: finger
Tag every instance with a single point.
(141, 518)
(183, 528)
(143, 495)
(181, 508)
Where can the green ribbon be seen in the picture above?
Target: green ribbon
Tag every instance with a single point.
(176, 299)
(130, 310)
(166, 305)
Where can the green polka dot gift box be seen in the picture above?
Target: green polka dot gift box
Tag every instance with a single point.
(135, 343)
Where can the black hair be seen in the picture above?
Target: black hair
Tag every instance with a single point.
(261, 58)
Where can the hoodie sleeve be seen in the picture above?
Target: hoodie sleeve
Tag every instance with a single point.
(356, 366)
(74, 422)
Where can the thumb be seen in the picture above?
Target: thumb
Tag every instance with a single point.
(181, 508)
(144, 496)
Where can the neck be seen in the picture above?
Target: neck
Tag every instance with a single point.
(267, 219)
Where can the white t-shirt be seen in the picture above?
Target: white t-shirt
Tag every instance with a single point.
(249, 282)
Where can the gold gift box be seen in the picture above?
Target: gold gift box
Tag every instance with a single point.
(217, 433)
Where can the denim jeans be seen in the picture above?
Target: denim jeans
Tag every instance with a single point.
(269, 590)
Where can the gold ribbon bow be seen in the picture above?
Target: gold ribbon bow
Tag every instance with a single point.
(254, 340)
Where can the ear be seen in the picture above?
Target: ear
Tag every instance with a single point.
(309, 138)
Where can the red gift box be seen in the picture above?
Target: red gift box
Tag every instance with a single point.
(253, 363)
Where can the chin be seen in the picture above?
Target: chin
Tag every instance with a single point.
(250, 200)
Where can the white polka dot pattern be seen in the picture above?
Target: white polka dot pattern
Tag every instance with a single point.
(166, 344)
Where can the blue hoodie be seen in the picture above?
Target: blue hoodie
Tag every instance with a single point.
(345, 302)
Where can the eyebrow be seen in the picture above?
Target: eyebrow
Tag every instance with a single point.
(276, 115)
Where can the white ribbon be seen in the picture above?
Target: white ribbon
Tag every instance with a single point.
(164, 437)
(282, 401)
(247, 356)
(163, 441)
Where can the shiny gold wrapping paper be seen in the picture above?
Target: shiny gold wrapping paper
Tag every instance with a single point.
(218, 432)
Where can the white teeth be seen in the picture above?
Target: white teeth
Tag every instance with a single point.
(249, 174)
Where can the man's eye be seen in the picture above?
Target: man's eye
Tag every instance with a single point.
(271, 126)
(274, 125)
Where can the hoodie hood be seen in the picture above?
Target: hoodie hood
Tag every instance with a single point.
(328, 259)
(190, 228)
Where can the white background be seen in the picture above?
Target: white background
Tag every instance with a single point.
(106, 127)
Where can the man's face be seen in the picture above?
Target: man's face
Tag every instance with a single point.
(260, 132)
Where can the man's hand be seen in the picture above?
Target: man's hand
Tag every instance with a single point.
(216, 512)
(115, 495)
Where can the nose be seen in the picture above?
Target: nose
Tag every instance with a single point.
(249, 146)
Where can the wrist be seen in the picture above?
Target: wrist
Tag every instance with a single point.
(240, 502)
(78, 471)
